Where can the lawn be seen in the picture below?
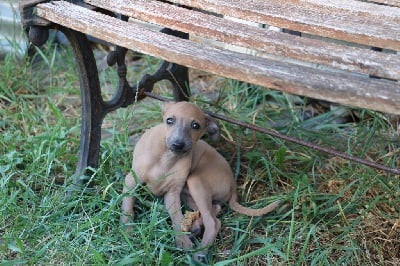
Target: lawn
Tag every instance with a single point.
(334, 211)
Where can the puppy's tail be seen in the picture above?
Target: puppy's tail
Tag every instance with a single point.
(236, 206)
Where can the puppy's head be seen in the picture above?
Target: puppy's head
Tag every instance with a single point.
(184, 124)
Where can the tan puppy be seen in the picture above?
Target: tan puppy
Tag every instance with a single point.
(172, 161)
(163, 159)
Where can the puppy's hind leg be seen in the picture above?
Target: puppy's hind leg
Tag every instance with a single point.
(198, 224)
(203, 200)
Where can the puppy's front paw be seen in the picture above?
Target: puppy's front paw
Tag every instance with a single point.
(184, 242)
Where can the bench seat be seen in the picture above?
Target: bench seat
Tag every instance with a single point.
(304, 66)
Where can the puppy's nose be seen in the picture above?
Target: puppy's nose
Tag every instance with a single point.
(178, 145)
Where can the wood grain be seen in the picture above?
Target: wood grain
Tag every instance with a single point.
(353, 21)
(342, 88)
(387, 2)
(277, 43)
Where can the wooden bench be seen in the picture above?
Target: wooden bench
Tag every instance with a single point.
(348, 51)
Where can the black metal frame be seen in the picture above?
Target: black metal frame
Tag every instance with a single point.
(94, 108)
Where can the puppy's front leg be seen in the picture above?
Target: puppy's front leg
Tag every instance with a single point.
(128, 201)
(173, 203)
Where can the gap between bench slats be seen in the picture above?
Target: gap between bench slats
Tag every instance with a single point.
(342, 88)
(372, 25)
(277, 43)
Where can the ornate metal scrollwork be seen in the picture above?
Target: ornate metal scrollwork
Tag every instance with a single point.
(176, 74)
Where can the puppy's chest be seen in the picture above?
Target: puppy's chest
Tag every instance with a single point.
(167, 174)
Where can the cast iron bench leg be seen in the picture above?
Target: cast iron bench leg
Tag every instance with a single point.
(92, 105)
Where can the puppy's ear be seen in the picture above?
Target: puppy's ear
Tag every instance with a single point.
(212, 129)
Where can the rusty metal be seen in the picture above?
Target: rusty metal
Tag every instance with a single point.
(294, 140)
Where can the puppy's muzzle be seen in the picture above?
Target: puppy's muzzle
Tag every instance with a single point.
(178, 146)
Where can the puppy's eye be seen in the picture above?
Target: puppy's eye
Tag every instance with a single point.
(195, 125)
(170, 121)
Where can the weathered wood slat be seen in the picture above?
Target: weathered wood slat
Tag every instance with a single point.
(342, 88)
(376, 25)
(386, 2)
(360, 8)
(277, 43)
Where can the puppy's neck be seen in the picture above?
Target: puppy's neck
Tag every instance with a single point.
(170, 158)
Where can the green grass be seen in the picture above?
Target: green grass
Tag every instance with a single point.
(334, 211)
